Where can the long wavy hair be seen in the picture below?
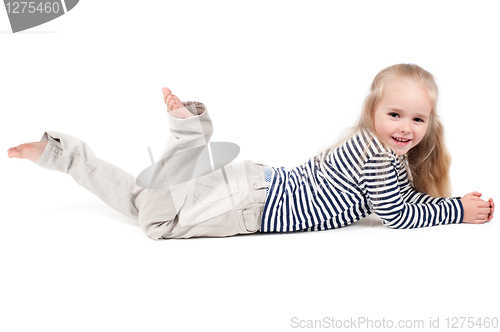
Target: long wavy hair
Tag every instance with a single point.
(428, 163)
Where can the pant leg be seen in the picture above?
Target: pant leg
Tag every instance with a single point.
(111, 184)
(153, 208)
(170, 180)
(219, 205)
(224, 202)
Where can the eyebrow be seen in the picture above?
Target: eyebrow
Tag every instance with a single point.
(419, 115)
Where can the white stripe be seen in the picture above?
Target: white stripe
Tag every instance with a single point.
(361, 166)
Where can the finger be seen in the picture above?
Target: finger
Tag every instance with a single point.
(477, 193)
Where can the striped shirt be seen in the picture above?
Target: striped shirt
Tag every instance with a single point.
(358, 178)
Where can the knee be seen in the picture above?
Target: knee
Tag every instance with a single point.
(155, 216)
(154, 230)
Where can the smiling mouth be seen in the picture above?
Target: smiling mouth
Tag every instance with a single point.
(401, 141)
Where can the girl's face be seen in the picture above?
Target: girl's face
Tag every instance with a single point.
(402, 116)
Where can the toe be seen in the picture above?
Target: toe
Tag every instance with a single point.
(14, 153)
(170, 103)
(166, 94)
(177, 101)
(166, 91)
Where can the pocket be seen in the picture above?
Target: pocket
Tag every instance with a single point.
(248, 221)
(217, 185)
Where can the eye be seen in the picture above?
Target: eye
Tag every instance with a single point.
(418, 120)
(394, 115)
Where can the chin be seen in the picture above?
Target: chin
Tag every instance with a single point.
(401, 152)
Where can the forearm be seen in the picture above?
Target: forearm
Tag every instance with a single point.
(398, 204)
(413, 215)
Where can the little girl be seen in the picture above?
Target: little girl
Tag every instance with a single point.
(394, 164)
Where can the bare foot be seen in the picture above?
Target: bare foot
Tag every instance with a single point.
(174, 105)
(31, 151)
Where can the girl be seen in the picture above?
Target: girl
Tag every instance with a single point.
(394, 164)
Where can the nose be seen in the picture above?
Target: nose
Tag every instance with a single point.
(404, 127)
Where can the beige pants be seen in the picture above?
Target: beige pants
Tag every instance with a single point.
(223, 203)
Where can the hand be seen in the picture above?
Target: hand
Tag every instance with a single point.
(476, 210)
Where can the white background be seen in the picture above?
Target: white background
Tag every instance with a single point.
(282, 79)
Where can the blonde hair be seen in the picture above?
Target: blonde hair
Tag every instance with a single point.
(429, 161)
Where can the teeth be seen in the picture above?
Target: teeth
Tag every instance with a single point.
(401, 140)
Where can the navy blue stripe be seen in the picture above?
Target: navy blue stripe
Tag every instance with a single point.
(354, 180)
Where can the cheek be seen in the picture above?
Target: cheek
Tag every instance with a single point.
(380, 126)
(420, 132)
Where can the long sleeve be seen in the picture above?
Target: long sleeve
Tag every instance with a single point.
(401, 206)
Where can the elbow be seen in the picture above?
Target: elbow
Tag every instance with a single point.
(395, 223)
(390, 224)
(394, 218)
(393, 226)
